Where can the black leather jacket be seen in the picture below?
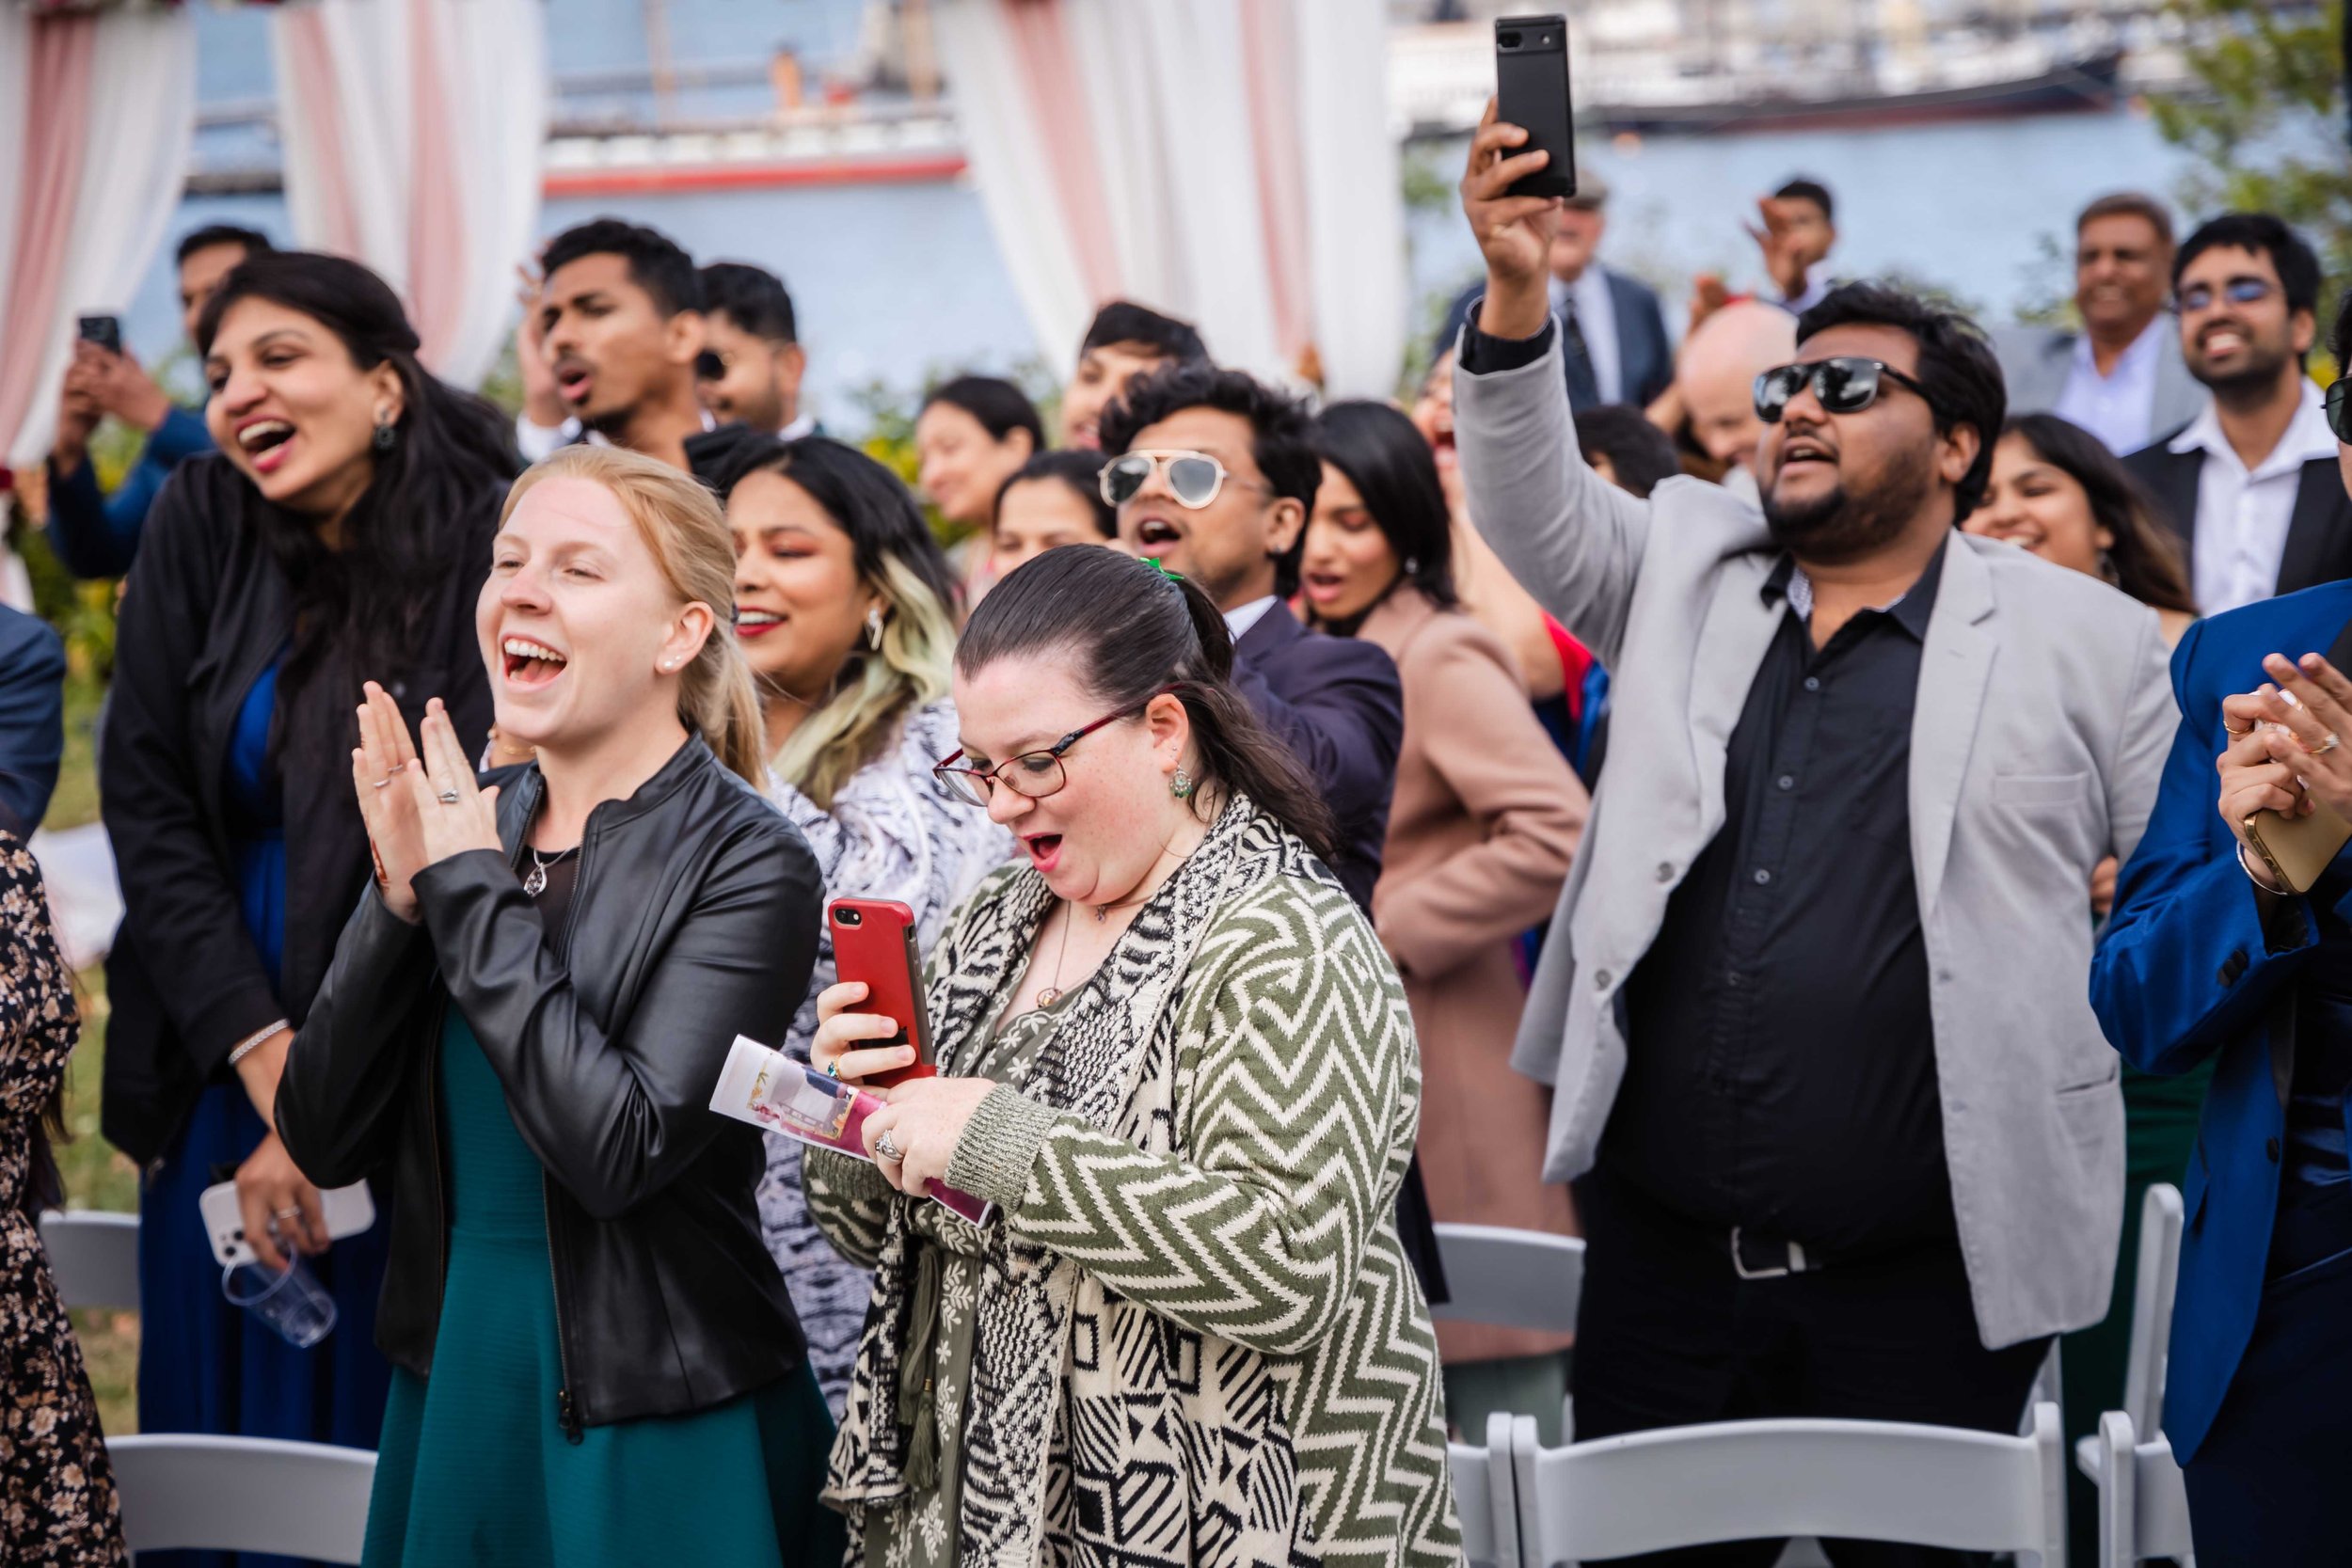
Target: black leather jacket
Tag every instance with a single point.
(693, 920)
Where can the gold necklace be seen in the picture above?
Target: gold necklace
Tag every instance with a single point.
(1051, 994)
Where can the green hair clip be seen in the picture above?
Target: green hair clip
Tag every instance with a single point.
(1153, 562)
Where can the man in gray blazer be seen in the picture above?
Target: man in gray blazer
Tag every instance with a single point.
(2123, 377)
(1814, 1006)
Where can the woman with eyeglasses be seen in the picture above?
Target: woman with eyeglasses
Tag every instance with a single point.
(598, 1361)
(841, 609)
(1175, 1058)
(1482, 829)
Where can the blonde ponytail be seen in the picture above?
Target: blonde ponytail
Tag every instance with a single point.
(681, 524)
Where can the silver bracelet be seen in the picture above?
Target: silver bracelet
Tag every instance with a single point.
(2256, 878)
(243, 1048)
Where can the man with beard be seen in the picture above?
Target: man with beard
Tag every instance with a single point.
(1814, 1006)
(619, 326)
(2251, 483)
(1124, 341)
(752, 369)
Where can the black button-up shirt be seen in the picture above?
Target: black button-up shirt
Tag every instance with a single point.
(1781, 1052)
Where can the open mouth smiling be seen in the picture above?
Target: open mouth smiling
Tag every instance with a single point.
(531, 663)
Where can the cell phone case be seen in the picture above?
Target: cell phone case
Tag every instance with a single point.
(2297, 849)
(1532, 92)
(348, 1212)
(873, 941)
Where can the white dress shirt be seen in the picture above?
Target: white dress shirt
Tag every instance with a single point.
(804, 424)
(537, 442)
(1238, 622)
(1818, 284)
(2119, 407)
(1597, 318)
(2242, 517)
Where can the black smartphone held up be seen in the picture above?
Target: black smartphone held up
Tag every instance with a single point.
(1532, 92)
(105, 331)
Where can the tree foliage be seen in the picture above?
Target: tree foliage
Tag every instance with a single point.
(2268, 125)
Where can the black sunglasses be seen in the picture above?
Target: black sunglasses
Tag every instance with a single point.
(2340, 408)
(1845, 385)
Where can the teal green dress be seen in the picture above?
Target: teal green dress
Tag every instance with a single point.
(474, 1467)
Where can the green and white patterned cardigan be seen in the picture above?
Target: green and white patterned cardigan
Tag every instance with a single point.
(1198, 1339)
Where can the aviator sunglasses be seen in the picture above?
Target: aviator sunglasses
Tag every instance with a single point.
(1845, 385)
(2340, 410)
(1194, 478)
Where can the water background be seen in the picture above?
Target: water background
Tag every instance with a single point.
(900, 284)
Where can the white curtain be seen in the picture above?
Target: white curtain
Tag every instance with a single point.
(96, 117)
(412, 136)
(1225, 161)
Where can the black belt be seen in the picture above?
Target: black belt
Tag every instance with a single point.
(1755, 1257)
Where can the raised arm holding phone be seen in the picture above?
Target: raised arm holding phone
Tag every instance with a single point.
(1862, 770)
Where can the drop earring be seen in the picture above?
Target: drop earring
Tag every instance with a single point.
(387, 434)
(1180, 786)
(874, 627)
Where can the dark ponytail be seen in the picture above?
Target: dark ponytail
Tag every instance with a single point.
(1128, 631)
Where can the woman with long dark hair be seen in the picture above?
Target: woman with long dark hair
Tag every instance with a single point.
(340, 532)
(842, 610)
(1482, 829)
(1174, 1057)
(597, 1361)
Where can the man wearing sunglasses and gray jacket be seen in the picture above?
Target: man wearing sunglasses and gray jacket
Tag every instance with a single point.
(1814, 1006)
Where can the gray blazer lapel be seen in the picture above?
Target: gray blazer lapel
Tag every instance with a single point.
(1954, 666)
(1739, 627)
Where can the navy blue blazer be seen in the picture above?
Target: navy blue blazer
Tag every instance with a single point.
(1337, 703)
(32, 719)
(1646, 355)
(2185, 971)
(97, 536)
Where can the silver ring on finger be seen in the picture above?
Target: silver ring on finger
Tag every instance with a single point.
(384, 782)
(2326, 745)
(287, 1214)
(449, 796)
(886, 1148)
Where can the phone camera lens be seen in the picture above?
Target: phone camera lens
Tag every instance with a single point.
(1508, 41)
(849, 917)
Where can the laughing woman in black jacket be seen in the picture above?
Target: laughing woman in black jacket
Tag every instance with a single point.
(341, 529)
(597, 1361)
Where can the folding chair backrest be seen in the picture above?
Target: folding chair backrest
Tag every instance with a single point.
(1483, 1497)
(243, 1495)
(1740, 1481)
(2152, 1308)
(1510, 1278)
(2144, 1503)
(95, 1256)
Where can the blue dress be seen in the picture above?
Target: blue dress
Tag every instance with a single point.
(205, 1366)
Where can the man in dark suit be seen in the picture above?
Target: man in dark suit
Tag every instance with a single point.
(1222, 478)
(2251, 482)
(1612, 334)
(32, 719)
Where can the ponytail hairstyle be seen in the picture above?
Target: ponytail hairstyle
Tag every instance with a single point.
(1129, 631)
(895, 555)
(680, 523)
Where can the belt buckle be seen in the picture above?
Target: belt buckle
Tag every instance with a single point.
(1740, 1266)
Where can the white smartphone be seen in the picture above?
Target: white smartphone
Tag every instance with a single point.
(349, 1211)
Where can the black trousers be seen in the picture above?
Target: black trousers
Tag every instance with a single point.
(1668, 1335)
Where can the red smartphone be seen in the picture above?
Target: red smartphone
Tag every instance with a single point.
(873, 941)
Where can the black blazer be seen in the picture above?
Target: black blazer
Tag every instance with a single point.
(1337, 703)
(694, 921)
(2319, 537)
(32, 719)
(204, 612)
(1646, 355)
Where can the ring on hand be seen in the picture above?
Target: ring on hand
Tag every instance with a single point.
(287, 1214)
(832, 1069)
(2237, 735)
(2326, 745)
(886, 1148)
(449, 796)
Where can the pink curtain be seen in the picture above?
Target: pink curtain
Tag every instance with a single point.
(56, 132)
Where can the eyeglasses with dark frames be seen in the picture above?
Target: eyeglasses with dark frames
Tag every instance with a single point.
(1033, 774)
(1847, 383)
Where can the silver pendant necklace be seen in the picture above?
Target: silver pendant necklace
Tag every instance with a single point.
(535, 880)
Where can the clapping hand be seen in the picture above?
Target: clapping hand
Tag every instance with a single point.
(419, 808)
(2309, 714)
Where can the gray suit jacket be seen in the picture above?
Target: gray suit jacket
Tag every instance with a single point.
(2036, 361)
(2042, 719)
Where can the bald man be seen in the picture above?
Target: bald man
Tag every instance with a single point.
(1716, 377)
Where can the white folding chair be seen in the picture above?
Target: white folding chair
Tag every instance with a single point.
(94, 1255)
(243, 1495)
(1742, 1480)
(2143, 1505)
(1510, 1278)
(2151, 1345)
(1483, 1497)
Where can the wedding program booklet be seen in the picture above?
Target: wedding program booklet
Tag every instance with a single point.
(783, 1093)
